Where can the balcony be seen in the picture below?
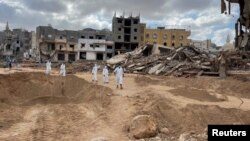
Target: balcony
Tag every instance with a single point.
(61, 49)
(98, 49)
(71, 49)
(58, 40)
(45, 40)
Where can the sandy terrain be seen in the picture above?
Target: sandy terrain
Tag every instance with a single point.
(38, 107)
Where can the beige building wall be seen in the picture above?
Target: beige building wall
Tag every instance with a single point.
(167, 37)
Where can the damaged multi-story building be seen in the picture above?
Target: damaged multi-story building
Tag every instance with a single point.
(127, 33)
(95, 44)
(56, 45)
(15, 43)
(242, 25)
(67, 45)
(172, 37)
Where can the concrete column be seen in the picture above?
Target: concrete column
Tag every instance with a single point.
(66, 57)
(104, 56)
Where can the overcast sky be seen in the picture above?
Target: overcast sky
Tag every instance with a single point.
(203, 16)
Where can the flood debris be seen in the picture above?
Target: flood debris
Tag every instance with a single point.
(180, 61)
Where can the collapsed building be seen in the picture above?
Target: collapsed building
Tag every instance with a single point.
(242, 25)
(15, 43)
(56, 45)
(69, 46)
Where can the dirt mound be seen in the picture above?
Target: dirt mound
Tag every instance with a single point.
(49, 104)
(33, 88)
(229, 86)
(193, 118)
(197, 94)
(145, 81)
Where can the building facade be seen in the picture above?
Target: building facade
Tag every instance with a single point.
(15, 43)
(127, 33)
(94, 49)
(203, 44)
(63, 45)
(56, 45)
(167, 37)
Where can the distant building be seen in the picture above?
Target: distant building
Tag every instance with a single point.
(227, 46)
(167, 37)
(34, 51)
(62, 45)
(203, 44)
(15, 43)
(127, 33)
(103, 39)
(53, 44)
(95, 49)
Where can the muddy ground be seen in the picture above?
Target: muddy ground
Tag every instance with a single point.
(38, 107)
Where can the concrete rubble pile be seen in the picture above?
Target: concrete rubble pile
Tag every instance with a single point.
(239, 60)
(175, 61)
(79, 66)
(238, 63)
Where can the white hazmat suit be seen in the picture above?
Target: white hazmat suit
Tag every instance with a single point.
(119, 75)
(94, 72)
(48, 67)
(62, 70)
(105, 73)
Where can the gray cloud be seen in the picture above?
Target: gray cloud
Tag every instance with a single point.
(46, 5)
(128, 5)
(19, 18)
(6, 12)
(202, 15)
(182, 6)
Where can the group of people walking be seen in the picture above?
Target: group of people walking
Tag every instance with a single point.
(62, 71)
(119, 73)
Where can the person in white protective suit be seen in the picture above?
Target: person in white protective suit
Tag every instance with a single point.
(119, 76)
(62, 70)
(48, 67)
(105, 73)
(94, 73)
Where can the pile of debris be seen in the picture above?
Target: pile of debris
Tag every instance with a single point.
(239, 60)
(81, 66)
(171, 61)
(78, 67)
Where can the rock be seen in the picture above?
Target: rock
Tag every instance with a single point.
(143, 126)
(100, 139)
(155, 139)
(164, 131)
(186, 137)
(150, 139)
(205, 130)
(204, 134)
(221, 97)
(140, 140)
